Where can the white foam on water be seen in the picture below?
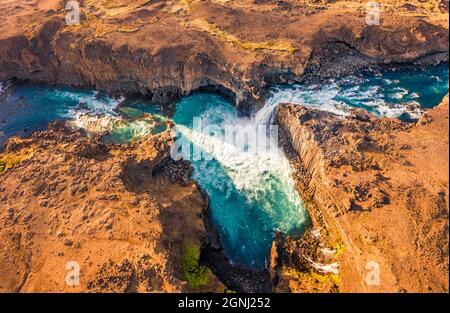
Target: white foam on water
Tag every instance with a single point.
(94, 113)
(399, 93)
(311, 96)
(341, 100)
(437, 78)
(4, 86)
(92, 124)
(258, 176)
(391, 81)
(112, 124)
(89, 102)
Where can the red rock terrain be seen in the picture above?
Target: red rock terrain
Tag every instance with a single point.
(378, 191)
(133, 221)
(165, 49)
(113, 210)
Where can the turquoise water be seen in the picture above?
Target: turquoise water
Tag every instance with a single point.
(251, 195)
(398, 94)
(25, 108)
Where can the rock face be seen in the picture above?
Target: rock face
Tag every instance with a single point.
(165, 49)
(380, 187)
(127, 226)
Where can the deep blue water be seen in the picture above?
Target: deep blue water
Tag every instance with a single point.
(399, 94)
(251, 196)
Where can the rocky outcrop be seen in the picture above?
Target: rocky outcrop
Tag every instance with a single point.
(165, 49)
(369, 184)
(70, 203)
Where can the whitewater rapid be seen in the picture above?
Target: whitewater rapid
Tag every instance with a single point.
(403, 94)
(252, 192)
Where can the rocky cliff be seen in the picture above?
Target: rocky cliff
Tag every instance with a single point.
(379, 188)
(165, 49)
(127, 219)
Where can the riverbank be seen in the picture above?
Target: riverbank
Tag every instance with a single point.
(377, 191)
(167, 49)
(130, 220)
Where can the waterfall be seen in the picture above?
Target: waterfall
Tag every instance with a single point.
(252, 192)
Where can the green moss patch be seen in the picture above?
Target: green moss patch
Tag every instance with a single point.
(194, 273)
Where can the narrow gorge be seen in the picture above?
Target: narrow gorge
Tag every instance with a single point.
(90, 115)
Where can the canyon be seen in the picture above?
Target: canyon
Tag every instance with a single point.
(136, 221)
(166, 49)
(378, 187)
